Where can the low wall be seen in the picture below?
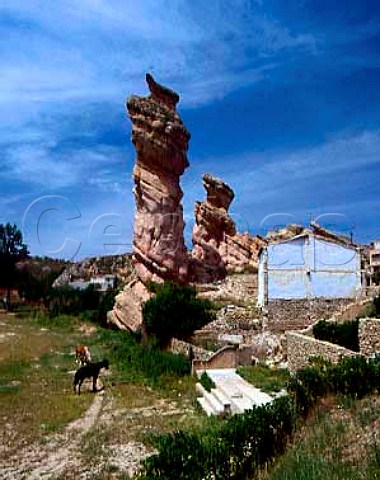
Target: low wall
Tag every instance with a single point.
(369, 336)
(226, 357)
(237, 287)
(198, 353)
(353, 310)
(301, 347)
(281, 315)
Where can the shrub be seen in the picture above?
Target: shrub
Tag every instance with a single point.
(345, 334)
(71, 301)
(246, 443)
(206, 382)
(175, 311)
(354, 376)
(142, 362)
(182, 457)
(106, 304)
(243, 444)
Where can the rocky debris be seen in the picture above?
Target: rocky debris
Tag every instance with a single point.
(239, 288)
(269, 347)
(126, 313)
(217, 247)
(230, 320)
(286, 233)
(239, 325)
(118, 265)
(161, 142)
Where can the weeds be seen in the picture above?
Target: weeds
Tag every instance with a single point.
(266, 379)
(206, 382)
(323, 451)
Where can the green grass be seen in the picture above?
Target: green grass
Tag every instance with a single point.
(60, 322)
(266, 379)
(144, 364)
(330, 446)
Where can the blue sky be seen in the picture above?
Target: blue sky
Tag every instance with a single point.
(282, 100)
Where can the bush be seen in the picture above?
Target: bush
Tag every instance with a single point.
(182, 457)
(142, 362)
(175, 311)
(354, 376)
(246, 443)
(243, 444)
(71, 301)
(345, 334)
(106, 304)
(206, 382)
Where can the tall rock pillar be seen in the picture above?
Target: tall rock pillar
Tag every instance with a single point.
(161, 142)
(159, 252)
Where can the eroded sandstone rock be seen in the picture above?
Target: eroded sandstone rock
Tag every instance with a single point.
(159, 252)
(126, 313)
(161, 142)
(218, 248)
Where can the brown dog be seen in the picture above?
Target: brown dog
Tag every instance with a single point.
(82, 354)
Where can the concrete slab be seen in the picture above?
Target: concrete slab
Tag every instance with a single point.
(241, 394)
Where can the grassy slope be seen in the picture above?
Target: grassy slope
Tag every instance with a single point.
(340, 442)
(36, 395)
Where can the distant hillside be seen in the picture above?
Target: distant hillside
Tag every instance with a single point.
(34, 277)
(119, 265)
(40, 267)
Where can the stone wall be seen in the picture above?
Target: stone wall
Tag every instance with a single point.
(179, 346)
(238, 287)
(282, 315)
(301, 347)
(226, 357)
(369, 336)
(353, 310)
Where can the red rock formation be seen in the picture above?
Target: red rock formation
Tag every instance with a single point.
(159, 252)
(161, 142)
(217, 248)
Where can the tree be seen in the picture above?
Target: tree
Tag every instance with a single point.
(175, 311)
(12, 250)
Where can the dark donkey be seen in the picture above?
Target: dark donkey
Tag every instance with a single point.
(91, 370)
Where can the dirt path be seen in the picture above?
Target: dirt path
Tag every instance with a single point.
(60, 456)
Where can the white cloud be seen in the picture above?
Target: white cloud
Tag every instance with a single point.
(270, 170)
(40, 164)
(95, 49)
(331, 177)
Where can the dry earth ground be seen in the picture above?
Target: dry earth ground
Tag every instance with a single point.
(48, 432)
